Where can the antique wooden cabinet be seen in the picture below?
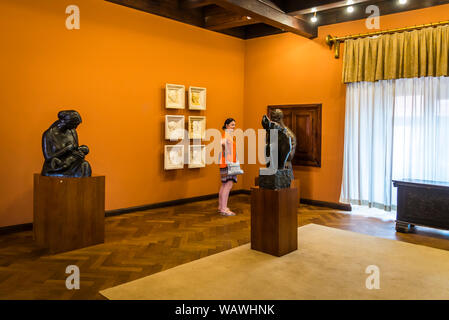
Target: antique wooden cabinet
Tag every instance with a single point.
(421, 202)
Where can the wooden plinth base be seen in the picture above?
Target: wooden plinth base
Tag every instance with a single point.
(295, 184)
(274, 222)
(68, 212)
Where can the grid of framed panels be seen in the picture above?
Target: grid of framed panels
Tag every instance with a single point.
(176, 156)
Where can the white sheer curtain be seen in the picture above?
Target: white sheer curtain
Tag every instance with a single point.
(394, 129)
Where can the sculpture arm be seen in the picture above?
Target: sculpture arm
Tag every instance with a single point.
(47, 149)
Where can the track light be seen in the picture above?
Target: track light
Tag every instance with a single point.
(402, 1)
(314, 19)
(350, 9)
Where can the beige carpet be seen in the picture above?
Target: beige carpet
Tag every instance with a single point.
(329, 264)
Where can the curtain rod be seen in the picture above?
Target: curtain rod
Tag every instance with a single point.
(330, 40)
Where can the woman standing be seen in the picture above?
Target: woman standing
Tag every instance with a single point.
(228, 154)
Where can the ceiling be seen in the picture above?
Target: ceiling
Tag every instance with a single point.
(248, 19)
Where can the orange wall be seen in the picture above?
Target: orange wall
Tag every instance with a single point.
(288, 69)
(113, 71)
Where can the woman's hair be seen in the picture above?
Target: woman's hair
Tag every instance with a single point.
(227, 121)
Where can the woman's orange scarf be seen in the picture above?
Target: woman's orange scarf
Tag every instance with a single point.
(231, 157)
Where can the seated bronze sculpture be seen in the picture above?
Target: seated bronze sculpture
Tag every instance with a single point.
(63, 155)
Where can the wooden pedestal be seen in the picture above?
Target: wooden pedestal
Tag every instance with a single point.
(295, 184)
(68, 212)
(274, 222)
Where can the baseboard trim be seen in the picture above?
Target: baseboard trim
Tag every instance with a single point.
(116, 212)
(318, 203)
(16, 228)
(332, 205)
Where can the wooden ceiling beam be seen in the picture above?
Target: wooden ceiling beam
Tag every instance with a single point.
(324, 7)
(168, 9)
(336, 15)
(227, 21)
(193, 4)
(296, 5)
(267, 14)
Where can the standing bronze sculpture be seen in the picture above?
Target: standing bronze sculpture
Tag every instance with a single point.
(63, 155)
(281, 150)
(278, 116)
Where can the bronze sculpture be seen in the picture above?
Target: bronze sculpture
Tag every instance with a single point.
(277, 116)
(63, 155)
(278, 175)
(283, 143)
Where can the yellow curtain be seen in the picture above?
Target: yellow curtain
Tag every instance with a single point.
(417, 53)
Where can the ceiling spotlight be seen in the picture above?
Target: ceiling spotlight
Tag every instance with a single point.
(402, 1)
(314, 18)
(313, 9)
(350, 8)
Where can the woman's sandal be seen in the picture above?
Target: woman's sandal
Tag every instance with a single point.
(227, 213)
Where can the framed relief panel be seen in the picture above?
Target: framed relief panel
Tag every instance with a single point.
(175, 96)
(197, 98)
(197, 156)
(174, 157)
(174, 127)
(197, 127)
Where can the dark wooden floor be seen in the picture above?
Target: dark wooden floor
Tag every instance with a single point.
(142, 243)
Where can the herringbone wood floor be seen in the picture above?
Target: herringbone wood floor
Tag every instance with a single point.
(142, 243)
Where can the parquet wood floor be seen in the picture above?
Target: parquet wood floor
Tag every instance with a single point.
(143, 243)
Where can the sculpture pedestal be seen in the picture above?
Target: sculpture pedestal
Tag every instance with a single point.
(294, 184)
(274, 222)
(68, 212)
